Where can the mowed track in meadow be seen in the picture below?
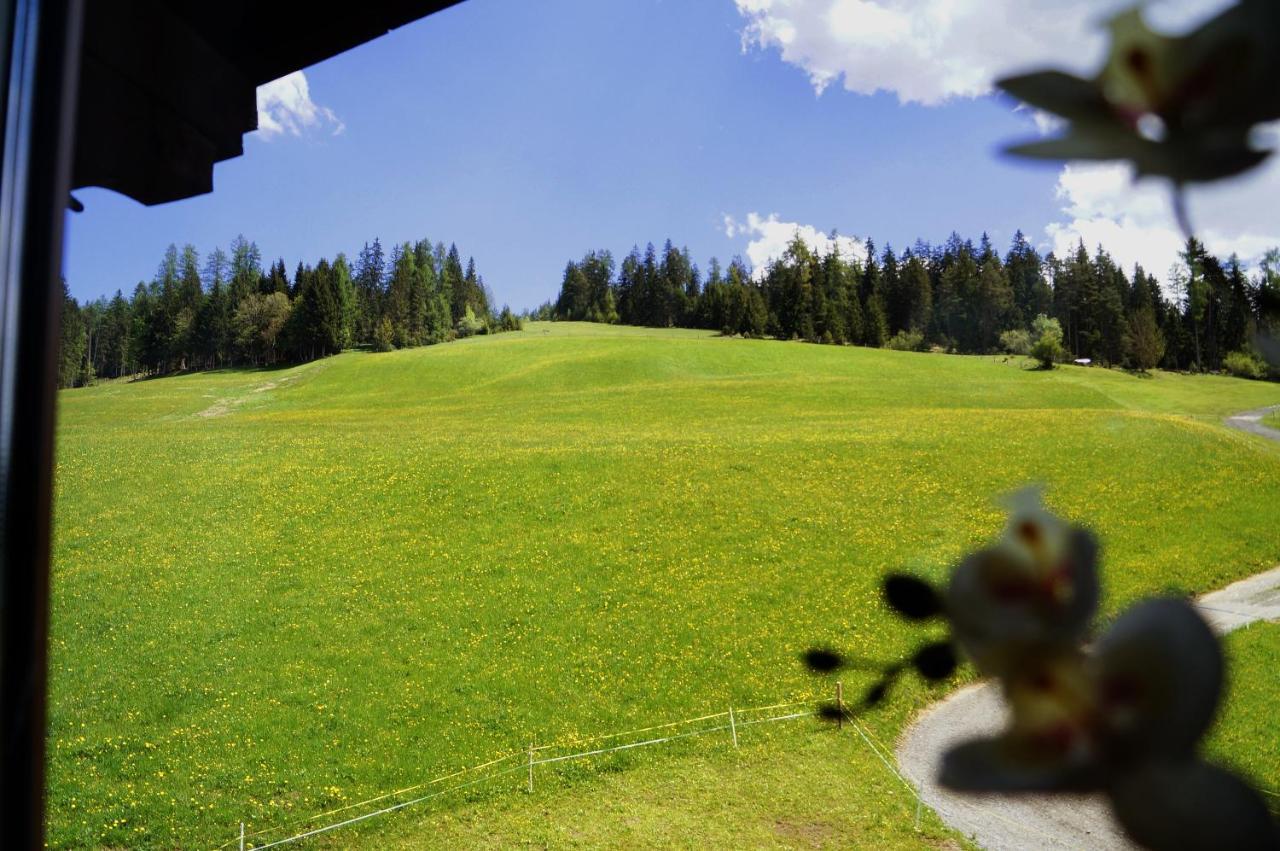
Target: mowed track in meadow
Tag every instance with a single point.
(383, 567)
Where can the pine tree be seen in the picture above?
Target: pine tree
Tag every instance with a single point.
(400, 292)
(327, 331)
(246, 268)
(278, 279)
(953, 305)
(213, 328)
(477, 298)
(369, 277)
(71, 354)
(113, 347)
(917, 294)
(346, 296)
(993, 300)
(455, 284)
(144, 344)
(1190, 280)
(418, 305)
(187, 304)
(875, 325)
(648, 290)
(669, 299)
(574, 298)
(1031, 293)
(1106, 316)
(628, 279)
(217, 268)
(691, 291)
(834, 322)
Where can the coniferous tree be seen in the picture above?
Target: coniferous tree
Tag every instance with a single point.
(327, 331)
(345, 292)
(917, 294)
(649, 295)
(1031, 293)
(477, 297)
(188, 299)
(369, 276)
(1190, 279)
(213, 328)
(246, 268)
(276, 280)
(113, 356)
(692, 290)
(574, 296)
(1106, 319)
(993, 300)
(628, 279)
(833, 323)
(455, 283)
(400, 293)
(71, 356)
(954, 297)
(958, 296)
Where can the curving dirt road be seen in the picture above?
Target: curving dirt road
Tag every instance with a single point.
(1251, 421)
(999, 822)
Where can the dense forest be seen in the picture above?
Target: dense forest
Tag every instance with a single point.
(957, 297)
(229, 311)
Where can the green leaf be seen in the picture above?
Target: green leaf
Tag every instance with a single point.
(1061, 94)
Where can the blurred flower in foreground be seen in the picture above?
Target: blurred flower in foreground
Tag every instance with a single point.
(1182, 107)
(1032, 594)
(1124, 718)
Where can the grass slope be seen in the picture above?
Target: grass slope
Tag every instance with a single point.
(1247, 735)
(279, 592)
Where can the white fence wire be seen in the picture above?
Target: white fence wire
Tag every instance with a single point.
(530, 759)
(735, 719)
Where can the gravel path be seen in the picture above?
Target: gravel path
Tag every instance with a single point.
(999, 822)
(1251, 421)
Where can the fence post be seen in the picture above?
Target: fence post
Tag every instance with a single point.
(733, 728)
(840, 705)
(918, 805)
(531, 768)
(241, 836)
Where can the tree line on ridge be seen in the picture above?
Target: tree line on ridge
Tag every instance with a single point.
(956, 296)
(230, 311)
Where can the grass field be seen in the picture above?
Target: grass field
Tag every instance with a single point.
(1272, 420)
(278, 592)
(1247, 735)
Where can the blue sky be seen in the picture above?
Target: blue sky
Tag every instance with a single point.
(530, 132)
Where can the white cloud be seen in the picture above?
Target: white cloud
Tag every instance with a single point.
(1046, 122)
(770, 236)
(1135, 222)
(928, 51)
(285, 107)
(932, 51)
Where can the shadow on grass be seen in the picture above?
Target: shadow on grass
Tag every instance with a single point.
(237, 370)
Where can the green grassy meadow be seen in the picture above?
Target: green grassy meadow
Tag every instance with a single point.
(280, 592)
(1247, 735)
(1272, 420)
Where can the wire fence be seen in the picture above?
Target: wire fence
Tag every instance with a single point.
(730, 721)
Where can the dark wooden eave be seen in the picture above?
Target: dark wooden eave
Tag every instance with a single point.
(168, 87)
